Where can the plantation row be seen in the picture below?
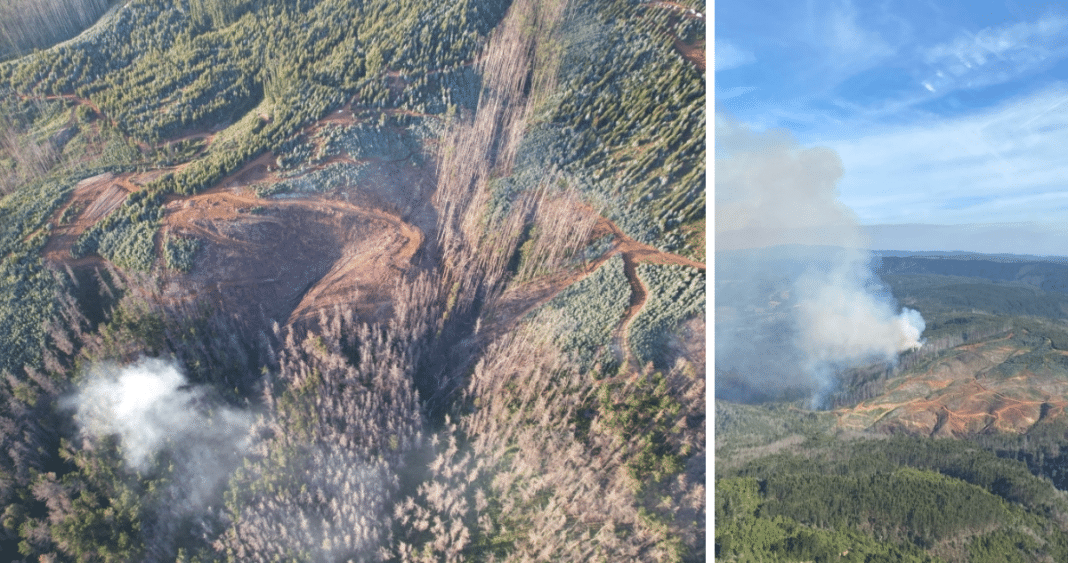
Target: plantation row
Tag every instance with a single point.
(626, 126)
(27, 289)
(333, 177)
(363, 141)
(634, 116)
(125, 237)
(158, 71)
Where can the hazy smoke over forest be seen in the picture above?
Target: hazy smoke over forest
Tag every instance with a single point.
(796, 295)
(150, 407)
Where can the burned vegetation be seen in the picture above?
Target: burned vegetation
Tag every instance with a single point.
(362, 297)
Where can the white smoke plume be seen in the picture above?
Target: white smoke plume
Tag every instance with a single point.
(152, 410)
(150, 406)
(799, 297)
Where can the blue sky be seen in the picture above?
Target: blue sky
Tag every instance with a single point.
(943, 113)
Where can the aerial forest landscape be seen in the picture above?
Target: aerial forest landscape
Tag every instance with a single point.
(352, 280)
(890, 282)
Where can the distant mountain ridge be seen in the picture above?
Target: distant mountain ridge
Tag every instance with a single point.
(966, 255)
(1045, 274)
(1049, 273)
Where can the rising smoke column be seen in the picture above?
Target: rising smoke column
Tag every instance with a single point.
(799, 296)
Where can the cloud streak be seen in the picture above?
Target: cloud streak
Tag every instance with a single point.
(995, 54)
(1007, 160)
(729, 55)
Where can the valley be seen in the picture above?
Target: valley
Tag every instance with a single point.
(355, 281)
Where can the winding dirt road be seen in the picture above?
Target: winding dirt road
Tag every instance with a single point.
(519, 301)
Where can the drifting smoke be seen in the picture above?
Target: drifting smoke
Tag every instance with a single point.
(153, 411)
(150, 407)
(800, 299)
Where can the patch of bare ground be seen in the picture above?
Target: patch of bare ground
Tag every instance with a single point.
(638, 296)
(635, 252)
(956, 396)
(283, 258)
(290, 256)
(93, 199)
(693, 52)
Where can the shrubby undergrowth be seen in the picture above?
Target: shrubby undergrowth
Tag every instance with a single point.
(585, 315)
(675, 294)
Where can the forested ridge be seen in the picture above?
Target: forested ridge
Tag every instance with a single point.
(481, 399)
(941, 499)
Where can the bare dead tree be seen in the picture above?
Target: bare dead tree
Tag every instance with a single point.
(29, 24)
(561, 226)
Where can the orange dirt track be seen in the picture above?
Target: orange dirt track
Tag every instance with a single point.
(288, 257)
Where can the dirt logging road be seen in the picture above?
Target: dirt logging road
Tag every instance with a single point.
(337, 252)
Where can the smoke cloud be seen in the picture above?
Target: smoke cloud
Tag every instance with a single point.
(150, 406)
(154, 412)
(797, 298)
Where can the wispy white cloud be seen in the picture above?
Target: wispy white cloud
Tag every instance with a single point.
(728, 93)
(844, 34)
(845, 46)
(996, 54)
(1003, 164)
(728, 55)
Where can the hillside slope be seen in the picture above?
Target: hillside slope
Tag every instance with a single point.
(973, 423)
(355, 281)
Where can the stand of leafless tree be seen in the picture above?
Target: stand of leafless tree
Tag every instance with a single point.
(34, 24)
(30, 157)
(561, 226)
(516, 467)
(413, 439)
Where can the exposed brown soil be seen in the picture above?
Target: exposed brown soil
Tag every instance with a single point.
(638, 296)
(70, 97)
(289, 257)
(634, 253)
(961, 395)
(95, 197)
(693, 52)
(294, 255)
(518, 301)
